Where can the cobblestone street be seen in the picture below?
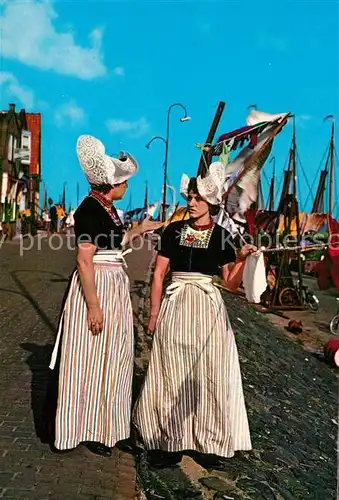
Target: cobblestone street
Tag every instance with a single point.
(31, 291)
(292, 402)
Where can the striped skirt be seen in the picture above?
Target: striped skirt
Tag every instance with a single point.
(95, 372)
(192, 398)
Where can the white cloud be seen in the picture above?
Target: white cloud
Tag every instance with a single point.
(119, 71)
(301, 120)
(69, 113)
(43, 46)
(135, 129)
(15, 91)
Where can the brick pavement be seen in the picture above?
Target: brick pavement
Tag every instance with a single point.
(31, 291)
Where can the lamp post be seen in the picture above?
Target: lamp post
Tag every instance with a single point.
(166, 141)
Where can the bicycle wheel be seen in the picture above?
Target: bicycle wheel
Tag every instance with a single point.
(288, 297)
(312, 302)
(334, 325)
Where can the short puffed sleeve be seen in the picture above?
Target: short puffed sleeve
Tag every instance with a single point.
(228, 249)
(166, 244)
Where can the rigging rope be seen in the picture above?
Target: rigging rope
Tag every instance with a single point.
(281, 180)
(305, 177)
(336, 206)
(292, 249)
(326, 152)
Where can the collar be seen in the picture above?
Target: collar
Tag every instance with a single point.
(101, 198)
(107, 205)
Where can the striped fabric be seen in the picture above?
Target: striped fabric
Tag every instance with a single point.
(192, 398)
(95, 380)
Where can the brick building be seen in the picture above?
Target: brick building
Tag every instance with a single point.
(34, 127)
(20, 166)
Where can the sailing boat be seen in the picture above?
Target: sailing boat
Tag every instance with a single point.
(282, 291)
(328, 268)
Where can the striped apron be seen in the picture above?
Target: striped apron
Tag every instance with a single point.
(192, 398)
(95, 374)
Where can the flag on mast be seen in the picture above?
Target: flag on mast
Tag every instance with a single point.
(243, 173)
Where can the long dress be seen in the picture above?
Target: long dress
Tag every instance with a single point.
(192, 397)
(95, 372)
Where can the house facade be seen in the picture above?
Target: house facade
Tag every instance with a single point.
(20, 167)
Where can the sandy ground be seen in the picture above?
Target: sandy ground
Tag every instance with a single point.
(316, 330)
(315, 325)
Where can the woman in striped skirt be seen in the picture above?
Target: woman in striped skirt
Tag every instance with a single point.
(93, 354)
(192, 397)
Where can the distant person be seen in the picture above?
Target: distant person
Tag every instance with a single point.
(93, 358)
(46, 220)
(53, 215)
(70, 219)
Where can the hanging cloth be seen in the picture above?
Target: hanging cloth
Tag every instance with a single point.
(254, 277)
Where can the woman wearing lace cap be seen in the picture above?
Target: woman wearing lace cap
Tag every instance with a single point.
(93, 354)
(192, 398)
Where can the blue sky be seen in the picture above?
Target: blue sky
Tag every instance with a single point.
(111, 69)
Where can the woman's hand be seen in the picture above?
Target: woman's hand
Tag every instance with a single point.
(245, 251)
(152, 322)
(147, 226)
(95, 319)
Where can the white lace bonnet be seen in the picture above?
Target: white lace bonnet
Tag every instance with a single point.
(211, 187)
(99, 168)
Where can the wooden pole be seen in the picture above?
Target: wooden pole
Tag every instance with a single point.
(332, 157)
(296, 212)
(206, 155)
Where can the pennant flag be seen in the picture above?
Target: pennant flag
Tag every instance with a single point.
(225, 154)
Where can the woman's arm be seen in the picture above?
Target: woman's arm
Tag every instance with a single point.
(85, 267)
(161, 267)
(130, 236)
(232, 273)
(146, 226)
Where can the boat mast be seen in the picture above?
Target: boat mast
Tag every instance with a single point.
(332, 162)
(272, 187)
(286, 185)
(146, 196)
(318, 205)
(295, 203)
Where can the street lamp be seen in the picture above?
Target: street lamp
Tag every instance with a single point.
(185, 118)
(157, 137)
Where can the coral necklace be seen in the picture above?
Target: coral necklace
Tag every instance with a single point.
(203, 227)
(107, 205)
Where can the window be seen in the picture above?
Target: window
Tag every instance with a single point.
(10, 148)
(25, 147)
